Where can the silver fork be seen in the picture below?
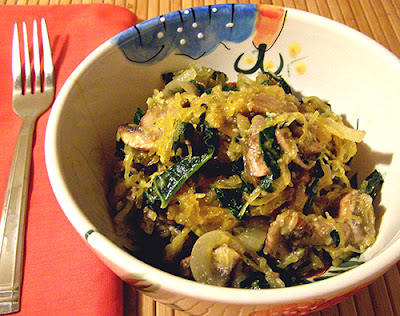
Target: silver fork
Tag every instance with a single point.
(31, 98)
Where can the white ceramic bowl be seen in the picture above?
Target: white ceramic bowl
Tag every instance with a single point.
(317, 57)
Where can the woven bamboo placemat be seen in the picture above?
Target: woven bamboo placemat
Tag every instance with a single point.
(378, 19)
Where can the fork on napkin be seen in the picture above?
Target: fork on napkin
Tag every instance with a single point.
(62, 276)
(31, 98)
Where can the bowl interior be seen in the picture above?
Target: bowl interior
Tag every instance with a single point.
(316, 56)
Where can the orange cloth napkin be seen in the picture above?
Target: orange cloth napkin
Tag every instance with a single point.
(62, 275)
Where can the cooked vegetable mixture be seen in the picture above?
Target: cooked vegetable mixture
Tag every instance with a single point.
(240, 184)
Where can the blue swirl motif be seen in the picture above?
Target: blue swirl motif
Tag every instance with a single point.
(332, 271)
(192, 32)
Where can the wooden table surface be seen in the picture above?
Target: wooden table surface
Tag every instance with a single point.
(380, 20)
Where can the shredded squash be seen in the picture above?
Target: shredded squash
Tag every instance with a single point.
(247, 163)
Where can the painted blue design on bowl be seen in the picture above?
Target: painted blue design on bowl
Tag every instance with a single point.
(192, 32)
(332, 271)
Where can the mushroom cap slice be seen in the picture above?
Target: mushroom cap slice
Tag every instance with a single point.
(205, 266)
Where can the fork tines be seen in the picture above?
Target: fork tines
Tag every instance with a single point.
(23, 82)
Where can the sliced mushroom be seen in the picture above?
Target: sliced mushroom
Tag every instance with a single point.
(135, 137)
(142, 136)
(213, 257)
(347, 205)
(356, 212)
(148, 121)
(293, 229)
(254, 156)
(264, 102)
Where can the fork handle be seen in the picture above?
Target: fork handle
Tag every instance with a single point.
(12, 222)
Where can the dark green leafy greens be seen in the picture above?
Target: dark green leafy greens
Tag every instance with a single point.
(205, 81)
(232, 199)
(271, 153)
(119, 149)
(184, 131)
(275, 79)
(165, 185)
(170, 181)
(255, 281)
(138, 116)
(208, 138)
(372, 184)
(225, 169)
(266, 183)
(167, 77)
(335, 237)
(312, 189)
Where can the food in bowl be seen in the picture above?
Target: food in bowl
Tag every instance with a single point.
(240, 184)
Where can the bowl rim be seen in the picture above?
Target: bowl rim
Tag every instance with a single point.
(340, 284)
(315, 291)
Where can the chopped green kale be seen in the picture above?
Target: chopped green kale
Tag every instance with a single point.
(372, 184)
(255, 281)
(335, 237)
(232, 199)
(271, 151)
(138, 116)
(170, 181)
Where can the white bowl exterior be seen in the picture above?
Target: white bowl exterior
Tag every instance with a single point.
(356, 75)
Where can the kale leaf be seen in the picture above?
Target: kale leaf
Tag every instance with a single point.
(208, 138)
(232, 199)
(312, 189)
(184, 131)
(271, 151)
(167, 77)
(225, 169)
(138, 116)
(335, 237)
(255, 281)
(119, 149)
(274, 79)
(372, 184)
(170, 181)
(165, 185)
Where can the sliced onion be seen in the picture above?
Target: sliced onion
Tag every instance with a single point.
(342, 131)
(182, 82)
(253, 238)
(254, 234)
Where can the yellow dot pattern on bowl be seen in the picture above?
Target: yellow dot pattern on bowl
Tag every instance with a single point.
(294, 49)
(301, 68)
(249, 60)
(269, 64)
